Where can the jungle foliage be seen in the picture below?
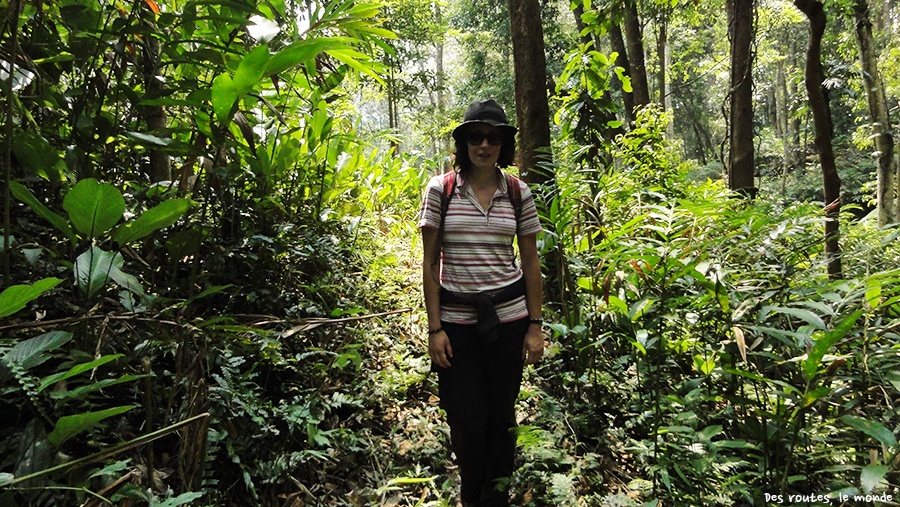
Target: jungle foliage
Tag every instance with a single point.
(210, 287)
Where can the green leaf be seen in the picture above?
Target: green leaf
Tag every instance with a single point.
(301, 52)
(111, 469)
(93, 268)
(872, 428)
(223, 96)
(824, 344)
(640, 308)
(351, 58)
(30, 353)
(82, 391)
(800, 313)
(23, 194)
(181, 499)
(37, 155)
(871, 476)
(151, 140)
(251, 70)
(69, 426)
(151, 220)
(75, 370)
(16, 297)
(94, 207)
(708, 432)
(227, 90)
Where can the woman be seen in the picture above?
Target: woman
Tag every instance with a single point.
(484, 310)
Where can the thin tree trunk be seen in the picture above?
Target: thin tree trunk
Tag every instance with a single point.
(784, 124)
(532, 108)
(798, 152)
(7, 146)
(740, 160)
(818, 103)
(617, 42)
(439, 75)
(878, 109)
(661, 44)
(635, 41)
(155, 116)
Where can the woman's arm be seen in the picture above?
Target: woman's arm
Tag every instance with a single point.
(439, 349)
(533, 348)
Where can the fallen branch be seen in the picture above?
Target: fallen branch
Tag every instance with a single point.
(85, 318)
(299, 324)
(124, 446)
(307, 324)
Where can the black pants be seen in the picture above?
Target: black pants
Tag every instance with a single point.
(479, 393)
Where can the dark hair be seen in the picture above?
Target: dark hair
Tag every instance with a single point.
(461, 156)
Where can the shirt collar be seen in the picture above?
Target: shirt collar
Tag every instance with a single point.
(461, 182)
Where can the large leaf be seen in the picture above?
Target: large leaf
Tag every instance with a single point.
(871, 476)
(302, 51)
(37, 155)
(151, 220)
(23, 194)
(82, 391)
(92, 269)
(824, 344)
(874, 429)
(94, 207)
(251, 70)
(75, 370)
(223, 96)
(357, 61)
(15, 298)
(96, 267)
(30, 353)
(69, 426)
(800, 313)
(226, 90)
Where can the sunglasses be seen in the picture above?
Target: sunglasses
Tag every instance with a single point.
(493, 138)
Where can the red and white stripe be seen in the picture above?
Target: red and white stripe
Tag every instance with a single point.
(477, 253)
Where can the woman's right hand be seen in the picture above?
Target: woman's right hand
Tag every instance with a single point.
(439, 349)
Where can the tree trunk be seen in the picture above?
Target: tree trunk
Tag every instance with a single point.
(607, 116)
(634, 40)
(784, 125)
(392, 108)
(586, 38)
(617, 42)
(532, 108)
(878, 109)
(160, 168)
(661, 45)
(439, 76)
(821, 110)
(740, 160)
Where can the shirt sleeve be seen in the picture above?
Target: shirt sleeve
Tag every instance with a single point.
(430, 213)
(529, 223)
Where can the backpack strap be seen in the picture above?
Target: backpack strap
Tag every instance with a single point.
(449, 186)
(514, 191)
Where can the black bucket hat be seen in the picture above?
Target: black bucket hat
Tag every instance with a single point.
(484, 111)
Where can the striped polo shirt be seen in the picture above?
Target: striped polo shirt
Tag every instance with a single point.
(477, 252)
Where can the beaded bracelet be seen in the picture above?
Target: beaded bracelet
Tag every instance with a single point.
(436, 331)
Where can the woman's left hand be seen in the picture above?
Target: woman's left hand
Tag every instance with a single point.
(533, 348)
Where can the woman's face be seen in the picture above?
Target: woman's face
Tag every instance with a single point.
(484, 142)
